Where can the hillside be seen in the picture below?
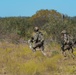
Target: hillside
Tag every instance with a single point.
(50, 22)
(18, 59)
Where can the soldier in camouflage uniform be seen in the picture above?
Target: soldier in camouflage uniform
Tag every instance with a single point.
(67, 43)
(37, 40)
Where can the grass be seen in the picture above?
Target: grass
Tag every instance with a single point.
(20, 60)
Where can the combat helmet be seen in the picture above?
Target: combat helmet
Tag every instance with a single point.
(36, 29)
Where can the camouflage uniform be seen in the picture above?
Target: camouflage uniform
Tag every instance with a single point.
(65, 39)
(38, 39)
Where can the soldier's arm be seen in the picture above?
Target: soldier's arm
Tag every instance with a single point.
(42, 37)
(31, 40)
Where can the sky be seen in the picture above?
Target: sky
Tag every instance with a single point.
(9, 8)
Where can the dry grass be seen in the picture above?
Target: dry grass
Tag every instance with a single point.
(20, 60)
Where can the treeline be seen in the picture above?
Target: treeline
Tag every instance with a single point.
(14, 28)
(50, 22)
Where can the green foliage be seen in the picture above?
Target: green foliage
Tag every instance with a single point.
(50, 22)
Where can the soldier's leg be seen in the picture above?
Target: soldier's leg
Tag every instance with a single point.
(62, 47)
(72, 52)
(42, 48)
(39, 45)
(33, 49)
(36, 45)
(63, 50)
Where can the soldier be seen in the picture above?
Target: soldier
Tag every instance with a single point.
(67, 43)
(37, 40)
